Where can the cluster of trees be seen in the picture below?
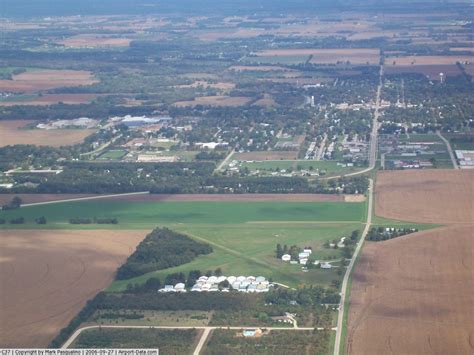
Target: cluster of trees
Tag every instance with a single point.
(94, 220)
(13, 204)
(381, 233)
(203, 301)
(21, 220)
(161, 249)
(293, 250)
(224, 342)
(308, 296)
(210, 155)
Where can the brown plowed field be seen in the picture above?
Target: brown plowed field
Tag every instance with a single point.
(414, 295)
(236, 197)
(46, 277)
(426, 196)
(34, 198)
(51, 99)
(267, 155)
(38, 80)
(10, 134)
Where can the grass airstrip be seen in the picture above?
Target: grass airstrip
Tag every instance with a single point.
(243, 235)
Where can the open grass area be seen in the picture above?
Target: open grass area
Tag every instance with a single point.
(113, 155)
(145, 215)
(249, 249)
(243, 235)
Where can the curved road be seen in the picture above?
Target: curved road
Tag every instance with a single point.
(345, 281)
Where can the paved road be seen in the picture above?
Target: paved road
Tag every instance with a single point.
(74, 336)
(84, 198)
(225, 161)
(202, 341)
(450, 150)
(345, 281)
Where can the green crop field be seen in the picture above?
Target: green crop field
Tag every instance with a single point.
(145, 215)
(113, 154)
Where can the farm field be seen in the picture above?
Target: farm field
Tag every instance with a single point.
(230, 101)
(92, 41)
(10, 134)
(42, 79)
(148, 214)
(360, 56)
(34, 198)
(49, 99)
(427, 60)
(431, 71)
(425, 196)
(47, 277)
(267, 155)
(411, 295)
(243, 235)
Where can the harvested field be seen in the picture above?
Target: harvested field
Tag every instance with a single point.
(34, 198)
(329, 56)
(426, 196)
(234, 198)
(46, 277)
(414, 295)
(230, 101)
(80, 41)
(51, 99)
(267, 155)
(32, 81)
(10, 134)
(267, 101)
(428, 60)
(431, 71)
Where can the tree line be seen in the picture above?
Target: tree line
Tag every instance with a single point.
(161, 249)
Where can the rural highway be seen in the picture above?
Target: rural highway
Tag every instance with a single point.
(345, 281)
(206, 329)
(224, 162)
(450, 150)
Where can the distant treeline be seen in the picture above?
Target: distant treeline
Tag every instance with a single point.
(161, 249)
(93, 220)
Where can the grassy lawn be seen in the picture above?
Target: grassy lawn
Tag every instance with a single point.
(249, 249)
(113, 154)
